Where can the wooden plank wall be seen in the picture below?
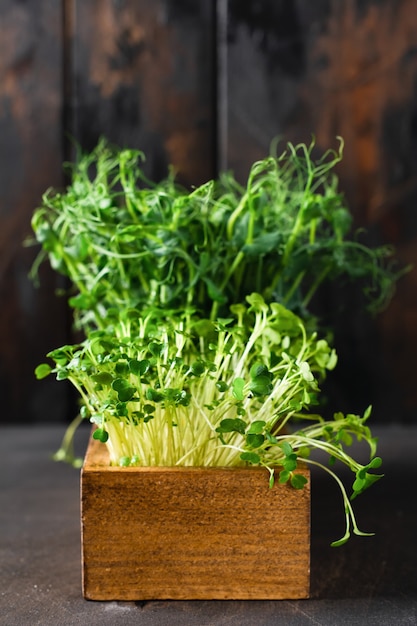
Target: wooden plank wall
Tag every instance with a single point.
(31, 102)
(349, 68)
(206, 85)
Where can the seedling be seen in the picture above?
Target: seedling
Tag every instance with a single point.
(200, 345)
(125, 242)
(179, 390)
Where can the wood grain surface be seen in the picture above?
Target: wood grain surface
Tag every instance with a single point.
(191, 533)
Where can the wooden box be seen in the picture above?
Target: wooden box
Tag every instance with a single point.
(191, 533)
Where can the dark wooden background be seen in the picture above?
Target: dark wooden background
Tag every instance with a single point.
(206, 85)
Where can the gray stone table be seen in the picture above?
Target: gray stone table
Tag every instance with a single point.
(370, 581)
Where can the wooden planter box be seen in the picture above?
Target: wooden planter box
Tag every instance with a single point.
(191, 533)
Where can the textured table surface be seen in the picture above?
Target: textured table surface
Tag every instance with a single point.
(370, 581)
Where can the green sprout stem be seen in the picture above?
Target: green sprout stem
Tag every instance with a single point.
(350, 515)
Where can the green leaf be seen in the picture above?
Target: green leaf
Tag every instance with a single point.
(198, 368)
(42, 371)
(133, 314)
(298, 481)
(121, 409)
(153, 395)
(125, 390)
(61, 356)
(262, 244)
(237, 388)
(286, 448)
(344, 437)
(254, 440)
(359, 484)
(81, 301)
(230, 425)
(290, 462)
(364, 479)
(375, 463)
(119, 384)
(250, 457)
(284, 476)
(222, 386)
(101, 435)
(214, 292)
(223, 323)
(139, 368)
(122, 368)
(156, 348)
(62, 373)
(256, 427)
(306, 371)
(259, 369)
(257, 302)
(84, 412)
(203, 328)
(271, 438)
(287, 322)
(103, 378)
(260, 386)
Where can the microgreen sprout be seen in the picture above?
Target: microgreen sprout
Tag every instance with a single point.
(199, 345)
(181, 390)
(126, 242)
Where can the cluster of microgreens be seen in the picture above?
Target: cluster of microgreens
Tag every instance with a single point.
(193, 351)
(123, 240)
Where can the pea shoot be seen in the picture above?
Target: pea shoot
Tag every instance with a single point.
(124, 241)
